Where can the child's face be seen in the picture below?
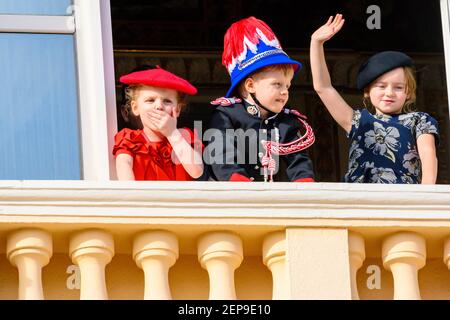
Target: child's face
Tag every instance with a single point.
(154, 98)
(271, 88)
(388, 92)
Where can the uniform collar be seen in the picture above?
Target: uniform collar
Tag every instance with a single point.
(255, 110)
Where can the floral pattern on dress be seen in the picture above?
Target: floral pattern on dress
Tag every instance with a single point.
(408, 120)
(381, 175)
(383, 148)
(354, 153)
(355, 118)
(383, 141)
(407, 179)
(411, 162)
(426, 125)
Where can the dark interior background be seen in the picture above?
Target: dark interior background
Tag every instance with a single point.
(412, 26)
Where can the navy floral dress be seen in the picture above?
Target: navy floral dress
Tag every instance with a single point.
(383, 148)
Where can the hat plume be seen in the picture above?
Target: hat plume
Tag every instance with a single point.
(245, 35)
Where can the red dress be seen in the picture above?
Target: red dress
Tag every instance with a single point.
(151, 160)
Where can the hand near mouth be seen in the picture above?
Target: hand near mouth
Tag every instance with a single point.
(163, 121)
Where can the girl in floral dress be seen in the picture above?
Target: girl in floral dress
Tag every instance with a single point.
(393, 144)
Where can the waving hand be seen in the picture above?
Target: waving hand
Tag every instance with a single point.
(329, 29)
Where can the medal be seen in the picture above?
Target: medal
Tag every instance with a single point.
(253, 110)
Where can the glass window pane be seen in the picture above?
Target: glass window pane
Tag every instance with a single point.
(39, 119)
(37, 7)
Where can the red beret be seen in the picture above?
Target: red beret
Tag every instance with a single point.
(159, 78)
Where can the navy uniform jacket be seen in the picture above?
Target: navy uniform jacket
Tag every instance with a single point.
(226, 157)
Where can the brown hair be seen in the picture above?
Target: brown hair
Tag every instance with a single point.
(410, 88)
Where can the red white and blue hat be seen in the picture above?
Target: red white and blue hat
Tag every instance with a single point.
(249, 45)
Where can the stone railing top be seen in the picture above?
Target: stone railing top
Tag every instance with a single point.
(225, 199)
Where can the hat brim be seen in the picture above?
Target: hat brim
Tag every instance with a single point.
(272, 60)
(160, 78)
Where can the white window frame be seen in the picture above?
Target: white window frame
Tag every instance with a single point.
(445, 18)
(89, 21)
(37, 24)
(96, 81)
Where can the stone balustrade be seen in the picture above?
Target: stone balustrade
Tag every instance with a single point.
(274, 257)
(173, 245)
(404, 254)
(357, 253)
(29, 250)
(155, 252)
(220, 253)
(92, 250)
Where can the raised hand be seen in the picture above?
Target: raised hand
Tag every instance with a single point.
(329, 29)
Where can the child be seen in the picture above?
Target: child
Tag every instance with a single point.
(261, 74)
(159, 151)
(393, 145)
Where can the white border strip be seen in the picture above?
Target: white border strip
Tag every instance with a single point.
(445, 18)
(96, 86)
(37, 24)
(110, 82)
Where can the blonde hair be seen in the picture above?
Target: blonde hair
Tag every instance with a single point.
(132, 92)
(285, 68)
(410, 89)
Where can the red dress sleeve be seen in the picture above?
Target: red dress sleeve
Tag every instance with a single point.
(130, 142)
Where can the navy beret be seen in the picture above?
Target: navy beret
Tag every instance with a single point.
(379, 64)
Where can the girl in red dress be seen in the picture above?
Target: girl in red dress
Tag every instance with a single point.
(159, 151)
